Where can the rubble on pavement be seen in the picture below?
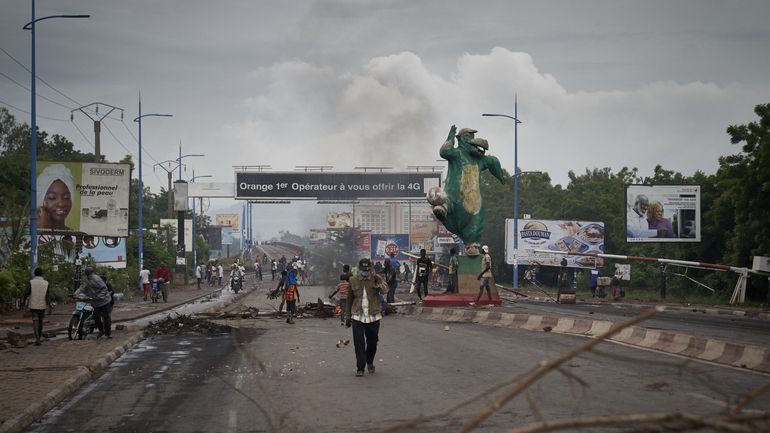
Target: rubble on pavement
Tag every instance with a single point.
(186, 325)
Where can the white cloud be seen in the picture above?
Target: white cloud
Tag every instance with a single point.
(395, 111)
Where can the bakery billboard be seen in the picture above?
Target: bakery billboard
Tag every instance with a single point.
(565, 236)
(82, 197)
(333, 186)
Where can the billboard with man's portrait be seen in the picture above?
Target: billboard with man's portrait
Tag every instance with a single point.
(85, 197)
(663, 213)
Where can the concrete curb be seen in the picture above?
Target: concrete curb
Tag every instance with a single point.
(84, 375)
(693, 309)
(741, 355)
(754, 314)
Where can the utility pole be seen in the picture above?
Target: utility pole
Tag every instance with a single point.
(97, 119)
(169, 167)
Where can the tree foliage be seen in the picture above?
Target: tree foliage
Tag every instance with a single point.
(735, 210)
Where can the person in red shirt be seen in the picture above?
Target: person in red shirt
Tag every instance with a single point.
(162, 272)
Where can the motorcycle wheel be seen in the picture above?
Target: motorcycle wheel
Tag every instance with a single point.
(72, 329)
(81, 330)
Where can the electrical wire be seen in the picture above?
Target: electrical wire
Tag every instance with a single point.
(144, 149)
(83, 135)
(39, 78)
(27, 112)
(116, 139)
(29, 90)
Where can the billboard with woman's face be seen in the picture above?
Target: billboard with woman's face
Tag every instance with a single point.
(83, 197)
(663, 213)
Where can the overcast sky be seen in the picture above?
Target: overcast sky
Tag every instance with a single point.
(351, 82)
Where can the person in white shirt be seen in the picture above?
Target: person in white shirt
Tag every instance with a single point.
(636, 219)
(220, 273)
(144, 278)
(199, 274)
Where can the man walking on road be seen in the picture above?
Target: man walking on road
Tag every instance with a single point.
(422, 269)
(364, 313)
(96, 290)
(484, 276)
(451, 286)
(39, 299)
(199, 274)
(144, 278)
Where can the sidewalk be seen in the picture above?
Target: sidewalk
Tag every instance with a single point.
(21, 322)
(34, 379)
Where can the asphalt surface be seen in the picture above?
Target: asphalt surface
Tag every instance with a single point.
(725, 327)
(268, 376)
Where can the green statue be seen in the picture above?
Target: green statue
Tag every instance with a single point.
(458, 206)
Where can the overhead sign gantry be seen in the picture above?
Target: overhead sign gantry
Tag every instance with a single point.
(336, 186)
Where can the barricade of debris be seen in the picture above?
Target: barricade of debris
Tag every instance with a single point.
(185, 325)
(248, 313)
(318, 309)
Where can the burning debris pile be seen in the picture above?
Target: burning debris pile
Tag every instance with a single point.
(319, 309)
(185, 325)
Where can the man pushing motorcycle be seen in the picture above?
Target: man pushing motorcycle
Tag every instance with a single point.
(94, 289)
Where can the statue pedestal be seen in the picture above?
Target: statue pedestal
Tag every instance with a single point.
(468, 270)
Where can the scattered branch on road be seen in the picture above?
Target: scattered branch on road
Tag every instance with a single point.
(748, 398)
(546, 367)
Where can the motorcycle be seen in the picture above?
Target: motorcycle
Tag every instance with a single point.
(236, 283)
(159, 289)
(82, 321)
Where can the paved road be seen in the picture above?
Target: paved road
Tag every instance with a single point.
(268, 376)
(728, 328)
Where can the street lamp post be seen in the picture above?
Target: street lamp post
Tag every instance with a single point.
(33, 138)
(194, 239)
(141, 187)
(181, 267)
(516, 120)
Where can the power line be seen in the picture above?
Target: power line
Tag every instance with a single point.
(144, 149)
(29, 90)
(116, 139)
(27, 112)
(38, 77)
(83, 135)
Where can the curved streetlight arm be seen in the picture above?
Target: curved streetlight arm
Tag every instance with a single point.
(502, 115)
(527, 172)
(28, 26)
(153, 115)
(200, 177)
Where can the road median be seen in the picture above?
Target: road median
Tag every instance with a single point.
(735, 354)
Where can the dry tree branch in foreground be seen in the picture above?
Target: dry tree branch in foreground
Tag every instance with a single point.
(732, 421)
(546, 367)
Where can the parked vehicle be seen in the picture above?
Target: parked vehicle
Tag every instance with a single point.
(159, 289)
(82, 321)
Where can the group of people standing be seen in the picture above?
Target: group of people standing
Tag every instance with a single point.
(211, 272)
